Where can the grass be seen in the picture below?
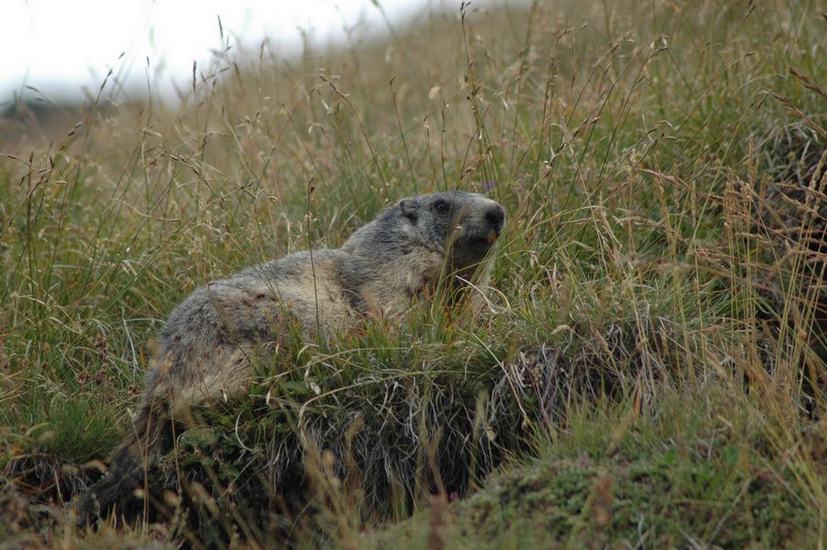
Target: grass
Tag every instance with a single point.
(650, 369)
(682, 477)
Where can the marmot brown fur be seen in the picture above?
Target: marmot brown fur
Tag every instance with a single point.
(203, 349)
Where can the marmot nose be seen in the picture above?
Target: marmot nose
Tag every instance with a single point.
(495, 216)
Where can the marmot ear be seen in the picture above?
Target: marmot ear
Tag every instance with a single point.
(410, 209)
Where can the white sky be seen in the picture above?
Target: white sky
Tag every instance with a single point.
(58, 46)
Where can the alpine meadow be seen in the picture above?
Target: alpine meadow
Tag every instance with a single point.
(643, 366)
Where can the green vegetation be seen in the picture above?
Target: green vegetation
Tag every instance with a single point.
(680, 477)
(648, 369)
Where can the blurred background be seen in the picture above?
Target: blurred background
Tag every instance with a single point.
(65, 55)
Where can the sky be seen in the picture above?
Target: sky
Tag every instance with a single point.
(61, 46)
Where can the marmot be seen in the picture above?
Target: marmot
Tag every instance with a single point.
(203, 348)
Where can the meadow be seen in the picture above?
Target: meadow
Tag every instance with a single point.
(648, 366)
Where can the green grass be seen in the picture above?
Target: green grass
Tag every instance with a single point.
(650, 369)
(683, 475)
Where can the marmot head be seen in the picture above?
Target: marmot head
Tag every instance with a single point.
(460, 225)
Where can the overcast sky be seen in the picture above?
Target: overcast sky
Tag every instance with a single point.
(58, 46)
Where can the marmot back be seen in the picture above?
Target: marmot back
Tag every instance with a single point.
(203, 348)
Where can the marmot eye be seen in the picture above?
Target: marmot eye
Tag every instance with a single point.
(441, 206)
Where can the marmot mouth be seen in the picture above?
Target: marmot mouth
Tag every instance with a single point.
(481, 241)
